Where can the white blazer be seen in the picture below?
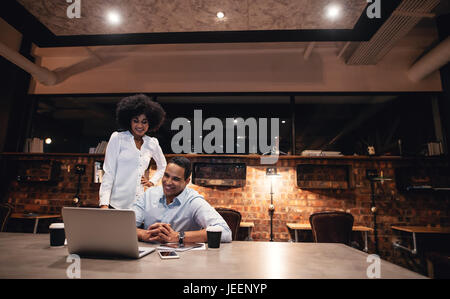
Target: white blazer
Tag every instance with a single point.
(124, 166)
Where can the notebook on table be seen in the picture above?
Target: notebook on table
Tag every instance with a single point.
(177, 247)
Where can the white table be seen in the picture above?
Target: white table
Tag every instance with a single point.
(30, 256)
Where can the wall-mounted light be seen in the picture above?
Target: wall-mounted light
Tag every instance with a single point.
(271, 172)
(48, 140)
(373, 177)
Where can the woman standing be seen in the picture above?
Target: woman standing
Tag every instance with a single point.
(129, 152)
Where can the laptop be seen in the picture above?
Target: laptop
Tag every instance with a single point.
(102, 233)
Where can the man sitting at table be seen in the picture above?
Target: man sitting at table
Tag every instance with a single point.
(172, 211)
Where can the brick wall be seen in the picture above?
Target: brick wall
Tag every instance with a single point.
(50, 197)
(292, 204)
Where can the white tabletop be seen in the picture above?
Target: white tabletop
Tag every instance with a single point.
(30, 256)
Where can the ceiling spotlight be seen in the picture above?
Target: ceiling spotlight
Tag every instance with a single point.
(113, 18)
(220, 15)
(333, 11)
(48, 140)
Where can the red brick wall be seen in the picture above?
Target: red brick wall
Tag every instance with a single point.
(292, 204)
(47, 197)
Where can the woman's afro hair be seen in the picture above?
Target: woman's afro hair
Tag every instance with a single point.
(136, 105)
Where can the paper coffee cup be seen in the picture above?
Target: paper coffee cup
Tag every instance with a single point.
(57, 234)
(214, 234)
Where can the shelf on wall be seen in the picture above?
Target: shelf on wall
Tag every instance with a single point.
(250, 156)
(422, 178)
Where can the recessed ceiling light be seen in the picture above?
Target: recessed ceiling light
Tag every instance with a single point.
(333, 11)
(220, 15)
(113, 18)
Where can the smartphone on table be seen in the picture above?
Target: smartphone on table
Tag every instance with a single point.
(168, 254)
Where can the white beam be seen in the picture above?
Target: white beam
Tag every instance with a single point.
(309, 50)
(431, 62)
(344, 48)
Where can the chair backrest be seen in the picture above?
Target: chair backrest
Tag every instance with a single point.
(331, 227)
(5, 212)
(438, 264)
(232, 218)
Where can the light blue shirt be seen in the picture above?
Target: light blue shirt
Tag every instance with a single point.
(189, 211)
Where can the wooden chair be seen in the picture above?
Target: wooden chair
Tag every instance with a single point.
(232, 218)
(5, 211)
(332, 227)
(438, 265)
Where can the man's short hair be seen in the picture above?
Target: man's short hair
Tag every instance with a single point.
(184, 163)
